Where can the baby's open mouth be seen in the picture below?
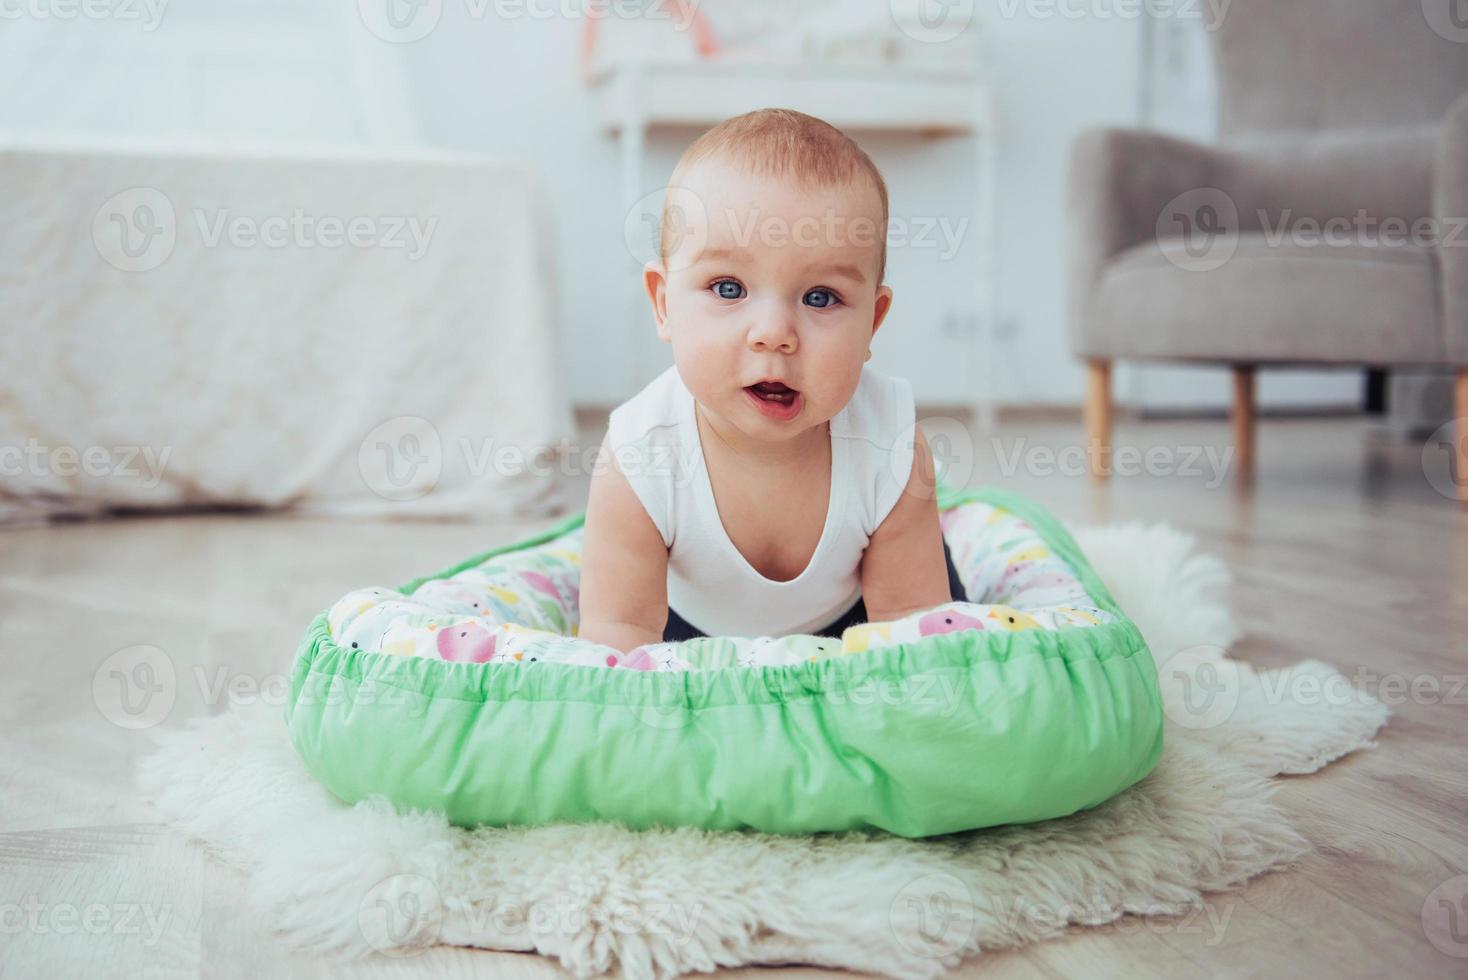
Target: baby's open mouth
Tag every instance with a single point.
(774, 391)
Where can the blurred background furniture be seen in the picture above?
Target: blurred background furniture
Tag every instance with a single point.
(351, 332)
(1325, 227)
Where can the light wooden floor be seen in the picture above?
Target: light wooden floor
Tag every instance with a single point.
(1343, 552)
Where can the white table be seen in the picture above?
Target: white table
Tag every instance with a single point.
(631, 98)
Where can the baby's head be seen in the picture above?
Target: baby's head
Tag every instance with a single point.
(773, 250)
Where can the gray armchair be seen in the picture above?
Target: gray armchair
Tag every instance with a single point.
(1328, 226)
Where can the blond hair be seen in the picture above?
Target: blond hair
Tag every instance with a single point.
(783, 143)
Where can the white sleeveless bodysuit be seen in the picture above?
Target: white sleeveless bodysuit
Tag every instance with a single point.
(654, 441)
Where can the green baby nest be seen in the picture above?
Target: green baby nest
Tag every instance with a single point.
(468, 692)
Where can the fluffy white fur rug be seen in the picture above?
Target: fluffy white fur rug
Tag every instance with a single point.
(659, 904)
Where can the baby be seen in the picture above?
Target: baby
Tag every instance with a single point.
(769, 482)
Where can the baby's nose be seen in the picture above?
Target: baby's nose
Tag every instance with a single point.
(768, 339)
(773, 331)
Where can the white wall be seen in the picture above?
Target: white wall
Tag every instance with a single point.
(1059, 77)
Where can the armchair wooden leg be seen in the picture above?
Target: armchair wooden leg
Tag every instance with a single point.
(1098, 418)
(1243, 419)
(1459, 461)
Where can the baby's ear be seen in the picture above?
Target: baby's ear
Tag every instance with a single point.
(655, 281)
(883, 304)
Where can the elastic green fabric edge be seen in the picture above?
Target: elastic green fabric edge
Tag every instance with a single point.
(1043, 722)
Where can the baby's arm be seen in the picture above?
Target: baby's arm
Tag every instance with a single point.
(902, 570)
(624, 565)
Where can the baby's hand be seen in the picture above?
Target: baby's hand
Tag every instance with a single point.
(625, 638)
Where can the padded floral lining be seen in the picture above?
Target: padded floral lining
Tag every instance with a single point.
(520, 607)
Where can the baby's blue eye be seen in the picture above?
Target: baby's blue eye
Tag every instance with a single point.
(728, 289)
(820, 298)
